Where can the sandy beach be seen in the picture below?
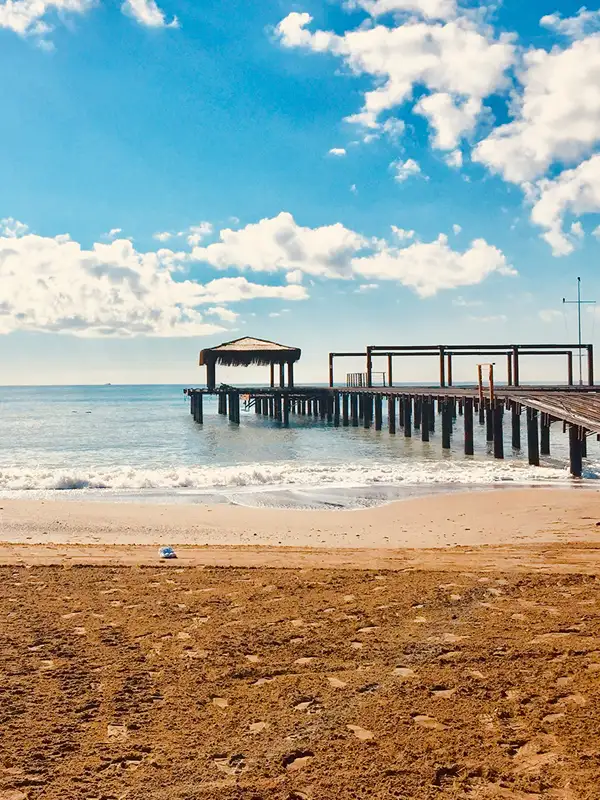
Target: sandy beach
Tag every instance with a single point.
(436, 648)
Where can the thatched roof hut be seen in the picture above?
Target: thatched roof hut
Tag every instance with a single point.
(246, 351)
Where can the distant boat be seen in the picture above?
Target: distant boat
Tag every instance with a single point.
(108, 384)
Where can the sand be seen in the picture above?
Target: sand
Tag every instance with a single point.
(467, 672)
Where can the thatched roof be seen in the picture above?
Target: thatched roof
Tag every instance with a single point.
(246, 351)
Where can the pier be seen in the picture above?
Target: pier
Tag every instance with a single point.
(428, 412)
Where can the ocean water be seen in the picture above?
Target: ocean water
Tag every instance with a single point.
(140, 443)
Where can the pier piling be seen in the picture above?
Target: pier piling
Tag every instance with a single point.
(446, 424)
(498, 430)
(516, 426)
(468, 423)
(575, 452)
(392, 414)
(533, 446)
(378, 412)
(544, 435)
(425, 419)
(345, 410)
(407, 417)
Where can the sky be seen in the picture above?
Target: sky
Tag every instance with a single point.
(324, 173)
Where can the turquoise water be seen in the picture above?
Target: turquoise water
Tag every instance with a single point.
(139, 442)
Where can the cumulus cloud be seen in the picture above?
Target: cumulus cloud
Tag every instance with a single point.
(456, 62)
(147, 13)
(454, 159)
(53, 284)
(582, 24)
(33, 17)
(280, 244)
(557, 116)
(225, 314)
(197, 233)
(163, 236)
(403, 170)
(433, 9)
(333, 251)
(366, 287)
(456, 229)
(427, 268)
(337, 151)
(575, 191)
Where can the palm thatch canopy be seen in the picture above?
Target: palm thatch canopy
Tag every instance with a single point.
(246, 351)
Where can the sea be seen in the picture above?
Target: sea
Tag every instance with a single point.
(139, 443)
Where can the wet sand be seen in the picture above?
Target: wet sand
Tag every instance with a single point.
(467, 672)
(510, 516)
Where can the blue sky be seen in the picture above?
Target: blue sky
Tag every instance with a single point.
(168, 180)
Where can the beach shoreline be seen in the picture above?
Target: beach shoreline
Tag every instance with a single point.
(462, 519)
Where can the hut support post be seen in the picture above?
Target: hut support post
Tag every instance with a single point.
(509, 369)
(390, 370)
(469, 445)
(570, 368)
(442, 367)
(331, 369)
(515, 351)
(211, 375)
(282, 375)
(533, 445)
(590, 355)
(575, 452)
(449, 369)
(272, 384)
(369, 368)
(291, 374)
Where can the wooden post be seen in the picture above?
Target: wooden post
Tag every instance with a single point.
(199, 410)
(291, 374)
(367, 410)
(257, 405)
(401, 411)
(482, 412)
(509, 367)
(271, 404)
(442, 367)
(516, 365)
(575, 454)
(361, 405)
(425, 418)
(328, 400)
(590, 354)
(407, 417)
(461, 407)
(449, 369)
(345, 415)
(545, 435)
(418, 413)
(570, 368)
(378, 412)
(446, 425)
(286, 410)
(431, 406)
(330, 369)
(354, 409)
(234, 407)
(533, 446)
(516, 426)
(324, 408)
(469, 444)
(584, 443)
(336, 409)
(369, 369)
(390, 370)
(392, 414)
(211, 375)
(489, 419)
(498, 430)
(272, 384)
(282, 375)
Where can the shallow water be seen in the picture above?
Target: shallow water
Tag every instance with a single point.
(140, 443)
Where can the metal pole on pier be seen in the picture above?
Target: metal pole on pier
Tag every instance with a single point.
(579, 302)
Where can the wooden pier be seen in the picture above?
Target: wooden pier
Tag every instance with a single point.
(423, 410)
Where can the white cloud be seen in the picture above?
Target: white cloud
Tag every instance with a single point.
(582, 24)
(196, 233)
(280, 244)
(53, 284)
(353, 189)
(454, 159)
(337, 151)
(275, 314)
(456, 229)
(402, 234)
(596, 232)
(550, 315)
(434, 9)
(405, 169)
(147, 13)
(27, 16)
(225, 314)
(11, 228)
(575, 191)
(557, 117)
(163, 236)
(366, 287)
(333, 251)
(114, 232)
(295, 276)
(427, 268)
(456, 60)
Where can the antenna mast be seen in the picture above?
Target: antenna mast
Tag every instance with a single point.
(579, 302)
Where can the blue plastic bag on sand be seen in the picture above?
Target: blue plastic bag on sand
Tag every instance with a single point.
(167, 552)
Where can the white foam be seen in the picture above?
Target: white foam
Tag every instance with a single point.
(282, 475)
